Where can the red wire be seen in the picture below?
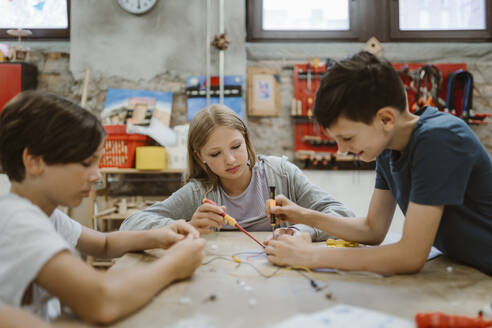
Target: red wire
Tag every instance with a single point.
(247, 233)
(206, 200)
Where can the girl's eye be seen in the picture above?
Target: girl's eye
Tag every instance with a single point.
(346, 139)
(86, 164)
(214, 154)
(236, 147)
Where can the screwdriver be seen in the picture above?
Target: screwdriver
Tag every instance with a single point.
(232, 221)
(272, 203)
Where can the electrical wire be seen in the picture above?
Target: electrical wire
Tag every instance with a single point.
(297, 268)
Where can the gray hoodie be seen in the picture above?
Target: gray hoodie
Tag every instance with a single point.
(285, 176)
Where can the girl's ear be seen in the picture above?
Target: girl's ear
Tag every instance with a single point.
(197, 154)
(34, 164)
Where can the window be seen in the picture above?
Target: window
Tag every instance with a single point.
(295, 19)
(441, 19)
(320, 15)
(46, 19)
(358, 20)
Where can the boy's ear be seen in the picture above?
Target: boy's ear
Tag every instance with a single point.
(386, 116)
(34, 164)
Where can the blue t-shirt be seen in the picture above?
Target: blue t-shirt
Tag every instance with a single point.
(444, 163)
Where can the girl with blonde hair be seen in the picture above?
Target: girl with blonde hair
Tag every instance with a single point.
(223, 167)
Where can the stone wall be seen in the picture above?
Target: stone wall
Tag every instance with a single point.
(271, 135)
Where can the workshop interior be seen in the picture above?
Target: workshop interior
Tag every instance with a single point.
(146, 68)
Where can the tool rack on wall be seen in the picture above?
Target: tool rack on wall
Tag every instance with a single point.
(313, 144)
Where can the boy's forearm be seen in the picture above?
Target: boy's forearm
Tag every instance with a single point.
(144, 281)
(127, 290)
(120, 242)
(352, 229)
(389, 259)
(18, 318)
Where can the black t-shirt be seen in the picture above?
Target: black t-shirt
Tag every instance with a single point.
(445, 164)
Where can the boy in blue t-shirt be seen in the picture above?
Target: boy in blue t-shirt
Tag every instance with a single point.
(433, 166)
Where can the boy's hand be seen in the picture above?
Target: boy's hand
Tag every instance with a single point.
(187, 256)
(286, 210)
(174, 232)
(290, 250)
(286, 231)
(207, 217)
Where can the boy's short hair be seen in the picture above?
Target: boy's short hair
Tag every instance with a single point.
(54, 128)
(356, 88)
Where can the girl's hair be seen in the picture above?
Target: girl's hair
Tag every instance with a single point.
(201, 127)
(48, 126)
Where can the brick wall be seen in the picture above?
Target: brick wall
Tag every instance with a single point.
(271, 135)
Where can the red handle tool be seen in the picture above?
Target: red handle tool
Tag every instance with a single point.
(442, 320)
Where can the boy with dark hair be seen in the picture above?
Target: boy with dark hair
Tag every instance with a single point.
(50, 149)
(432, 166)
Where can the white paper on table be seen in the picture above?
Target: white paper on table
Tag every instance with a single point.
(345, 316)
(391, 238)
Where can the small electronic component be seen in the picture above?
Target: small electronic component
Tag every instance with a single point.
(341, 243)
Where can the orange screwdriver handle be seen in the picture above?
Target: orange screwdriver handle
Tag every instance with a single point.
(228, 218)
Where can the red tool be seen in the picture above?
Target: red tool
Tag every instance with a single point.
(442, 320)
(232, 221)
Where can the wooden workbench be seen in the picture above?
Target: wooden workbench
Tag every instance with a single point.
(242, 298)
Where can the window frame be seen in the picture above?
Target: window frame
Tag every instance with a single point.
(254, 20)
(444, 35)
(40, 34)
(378, 18)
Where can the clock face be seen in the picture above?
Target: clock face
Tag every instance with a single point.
(137, 6)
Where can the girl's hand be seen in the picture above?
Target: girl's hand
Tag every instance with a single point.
(291, 250)
(285, 210)
(187, 255)
(207, 217)
(286, 231)
(174, 232)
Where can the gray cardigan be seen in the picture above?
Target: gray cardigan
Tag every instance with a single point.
(285, 176)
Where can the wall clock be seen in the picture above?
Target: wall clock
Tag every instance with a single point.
(137, 7)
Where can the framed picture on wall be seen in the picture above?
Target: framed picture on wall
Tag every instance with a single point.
(263, 91)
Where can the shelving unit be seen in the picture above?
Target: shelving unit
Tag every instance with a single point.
(103, 191)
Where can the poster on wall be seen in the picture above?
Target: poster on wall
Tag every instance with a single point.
(263, 91)
(143, 112)
(137, 106)
(196, 88)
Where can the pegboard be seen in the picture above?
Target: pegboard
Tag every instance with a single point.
(411, 87)
(309, 136)
(313, 143)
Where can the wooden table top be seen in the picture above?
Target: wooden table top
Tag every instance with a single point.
(223, 293)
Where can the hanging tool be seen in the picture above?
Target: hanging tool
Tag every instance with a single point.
(272, 203)
(427, 75)
(232, 221)
(309, 75)
(466, 112)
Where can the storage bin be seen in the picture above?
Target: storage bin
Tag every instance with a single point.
(119, 148)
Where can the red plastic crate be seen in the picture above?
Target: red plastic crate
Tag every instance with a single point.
(120, 147)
